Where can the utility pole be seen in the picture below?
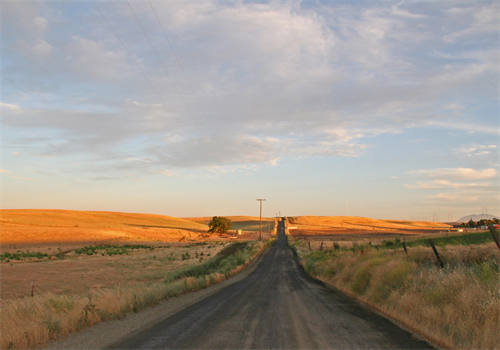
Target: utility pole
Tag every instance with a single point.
(260, 224)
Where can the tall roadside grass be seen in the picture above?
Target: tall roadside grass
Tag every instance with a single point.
(32, 322)
(455, 307)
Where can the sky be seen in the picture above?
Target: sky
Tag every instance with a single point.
(386, 109)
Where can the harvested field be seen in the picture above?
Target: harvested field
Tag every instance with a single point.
(339, 225)
(66, 229)
(79, 274)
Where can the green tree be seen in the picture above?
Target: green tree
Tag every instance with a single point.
(219, 224)
(471, 223)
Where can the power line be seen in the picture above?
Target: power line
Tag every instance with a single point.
(146, 36)
(122, 43)
(164, 32)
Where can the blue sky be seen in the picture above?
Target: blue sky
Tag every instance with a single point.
(386, 109)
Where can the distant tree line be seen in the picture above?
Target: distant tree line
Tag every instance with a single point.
(482, 222)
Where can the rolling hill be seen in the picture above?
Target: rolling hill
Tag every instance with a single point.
(23, 226)
(343, 224)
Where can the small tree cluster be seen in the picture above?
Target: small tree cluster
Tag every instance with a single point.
(219, 224)
(482, 222)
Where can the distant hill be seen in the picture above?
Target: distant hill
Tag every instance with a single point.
(477, 217)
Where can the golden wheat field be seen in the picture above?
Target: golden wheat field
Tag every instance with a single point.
(41, 228)
(327, 225)
(22, 229)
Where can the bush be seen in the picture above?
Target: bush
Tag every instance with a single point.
(20, 255)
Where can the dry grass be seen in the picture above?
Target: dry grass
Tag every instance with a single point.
(79, 274)
(25, 228)
(31, 322)
(325, 225)
(456, 307)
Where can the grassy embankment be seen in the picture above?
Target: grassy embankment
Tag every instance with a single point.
(455, 307)
(33, 321)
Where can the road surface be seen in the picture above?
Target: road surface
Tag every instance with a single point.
(276, 306)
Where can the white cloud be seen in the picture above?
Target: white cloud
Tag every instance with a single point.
(4, 171)
(93, 58)
(274, 161)
(40, 23)
(398, 11)
(467, 127)
(42, 48)
(10, 106)
(484, 20)
(146, 105)
(454, 107)
(445, 196)
(167, 173)
(460, 173)
(477, 150)
(225, 84)
(457, 186)
(435, 184)
(455, 198)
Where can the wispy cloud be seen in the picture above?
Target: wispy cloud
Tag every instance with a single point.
(477, 150)
(10, 106)
(459, 173)
(454, 198)
(437, 184)
(321, 84)
(110, 89)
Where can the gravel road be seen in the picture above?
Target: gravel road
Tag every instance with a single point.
(276, 306)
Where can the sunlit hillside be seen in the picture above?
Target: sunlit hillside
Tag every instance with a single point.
(333, 224)
(46, 226)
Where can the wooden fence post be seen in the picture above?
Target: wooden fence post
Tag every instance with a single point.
(404, 247)
(309, 243)
(321, 246)
(493, 232)
(431, 242)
